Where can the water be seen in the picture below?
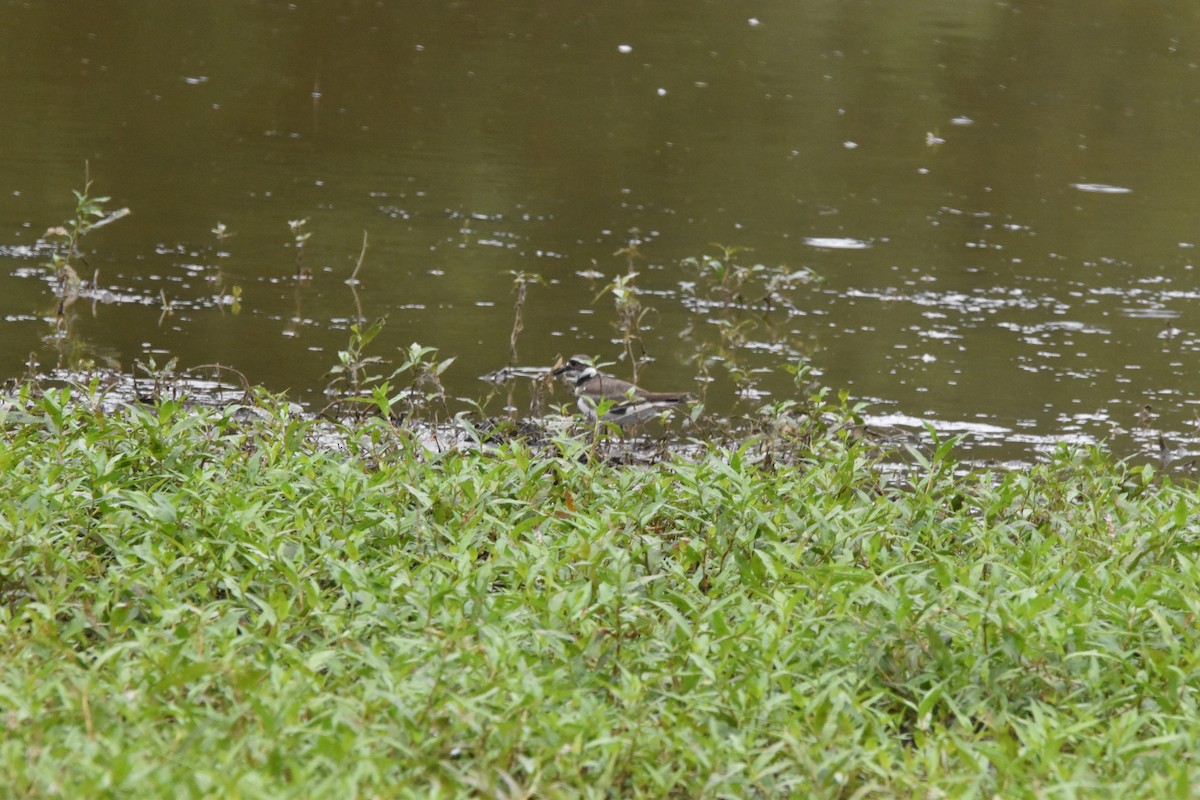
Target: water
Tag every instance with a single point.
(999, 197)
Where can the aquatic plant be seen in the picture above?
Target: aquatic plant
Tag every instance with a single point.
(351, 378)
(66, 254)
(300, 237)
(423, 369)
(725, 277)
(357, 387)
(630, 315)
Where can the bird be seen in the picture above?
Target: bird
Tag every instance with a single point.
(629, 404)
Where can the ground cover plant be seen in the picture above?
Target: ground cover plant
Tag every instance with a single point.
(204, 603)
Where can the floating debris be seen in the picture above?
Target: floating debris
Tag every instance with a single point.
(506, 374)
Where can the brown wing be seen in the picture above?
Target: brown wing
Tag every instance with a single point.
(616, 389)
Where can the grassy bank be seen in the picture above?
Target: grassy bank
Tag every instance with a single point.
(200, 603)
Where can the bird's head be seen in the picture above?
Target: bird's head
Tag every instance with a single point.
(577, 368)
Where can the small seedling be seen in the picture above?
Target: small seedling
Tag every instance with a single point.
(630, 316)
(351, 376)
(425, 389)
(90, 214)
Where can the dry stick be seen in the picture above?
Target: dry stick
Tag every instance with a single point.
(247, 391)
(518, 323)
(357, 304)
(362, 254)
(354, 283)
(511, 402)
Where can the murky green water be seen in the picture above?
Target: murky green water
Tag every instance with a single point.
(1000, 196)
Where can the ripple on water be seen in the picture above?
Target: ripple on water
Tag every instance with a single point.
(836, 243)
(898, 420)
(18, 251)
(965, 302)
(1148, 313)
(1101, 188)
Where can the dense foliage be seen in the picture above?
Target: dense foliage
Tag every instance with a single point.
(202, 603)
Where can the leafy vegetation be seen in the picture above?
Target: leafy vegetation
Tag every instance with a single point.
(66, 257)
(202, 603)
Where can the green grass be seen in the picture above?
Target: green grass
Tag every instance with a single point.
(197, 603)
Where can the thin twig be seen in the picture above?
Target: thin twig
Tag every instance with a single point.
(362, 254)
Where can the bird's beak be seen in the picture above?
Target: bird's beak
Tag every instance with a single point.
(558, 369)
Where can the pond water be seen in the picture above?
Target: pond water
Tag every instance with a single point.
(999, 197)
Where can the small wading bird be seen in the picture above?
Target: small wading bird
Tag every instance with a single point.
(629, 404)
